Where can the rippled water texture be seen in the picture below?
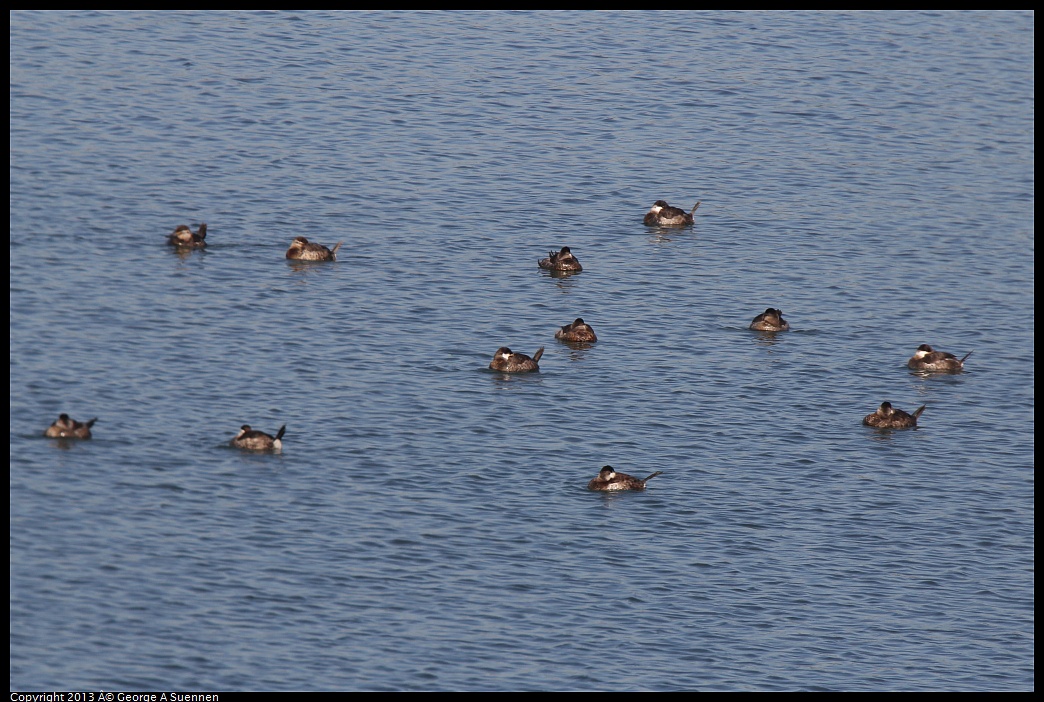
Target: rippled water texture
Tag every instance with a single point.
(427, 526)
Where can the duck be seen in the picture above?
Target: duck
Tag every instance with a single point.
(609, 479)
(663, 215)
(506, 361)
(888, 417)
(185, 238)
(770, 320)
(303, 250)
(68, 428)
(563, 260)
(578, 331)
(254, 440)
(926, 358)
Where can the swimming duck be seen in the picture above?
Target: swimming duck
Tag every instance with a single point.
(888, 417)
(577, 331)
(609, 479)
(254, 440)
(563, 260)
(928, 359)
(303, 250)
(663, 215)
(67, 428)
(770, 320)
(508, 362)
(184, 237)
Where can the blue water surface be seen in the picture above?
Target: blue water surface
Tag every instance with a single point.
(427, 526)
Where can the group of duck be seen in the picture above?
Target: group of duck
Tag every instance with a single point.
(300, 248)
(925, 360)
(66, 427)
(561, 262)
(183, 239)
(564, 262)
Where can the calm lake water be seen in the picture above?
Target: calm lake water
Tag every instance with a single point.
(427, 525)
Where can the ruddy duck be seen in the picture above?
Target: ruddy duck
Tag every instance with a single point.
(609, 479)
(254, 440)
(928, 359)
(563, 260)
(504, 360)
(184, 237)
(577, 331)
(888, 417)
(303, 250)
(67, 428)
(770, 320)
(663, 215)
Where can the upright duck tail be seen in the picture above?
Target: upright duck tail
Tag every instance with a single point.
(333, 251)
(538, 354)
(279, 434)
(917, 412)
(966, 356)
(659, 472)
(694, 209)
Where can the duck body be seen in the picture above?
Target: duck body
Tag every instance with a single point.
(506, 361)
(770, 320)
(562, 260)
(926, 358)
(888, 417)
(578, 331)
(67, 428)
(609, 480)
(254, 440)
(303, 250)
(185, 238)
(663, 215)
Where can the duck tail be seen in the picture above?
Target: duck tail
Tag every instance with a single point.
(90, 422)
(538, 354)
(694, 209)
(203, 231)
(966, 356)
(659, 472)
(333, 251)
(279, 434)
(917, 412)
